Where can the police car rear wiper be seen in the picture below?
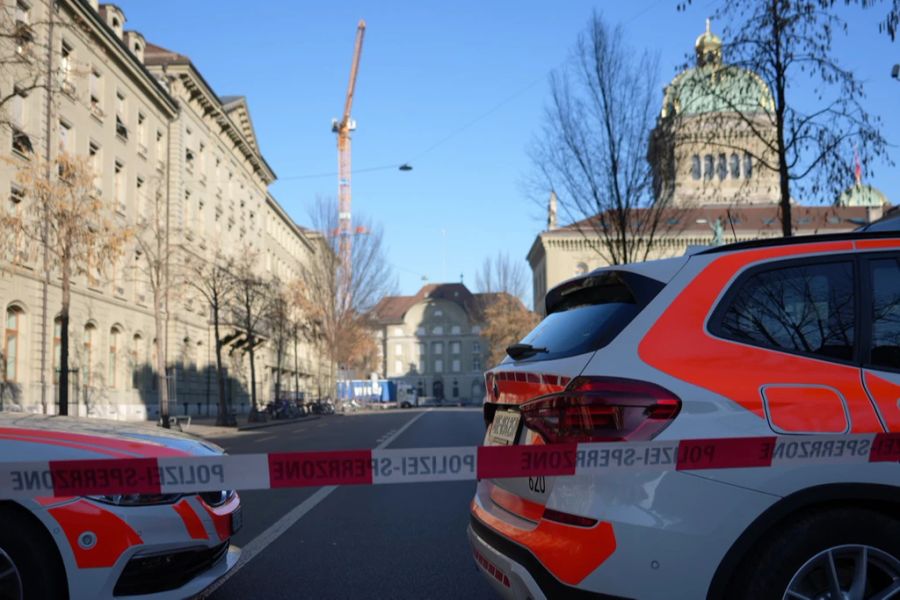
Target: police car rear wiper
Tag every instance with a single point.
(517, 351)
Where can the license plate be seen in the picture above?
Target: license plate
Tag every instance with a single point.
(504, 428)
(237, 520)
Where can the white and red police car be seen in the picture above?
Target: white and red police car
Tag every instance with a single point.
(796, 338)
(157, 546)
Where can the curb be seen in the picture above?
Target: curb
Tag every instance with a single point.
(277, 422)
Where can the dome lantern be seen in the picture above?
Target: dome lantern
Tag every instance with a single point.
(708, 47)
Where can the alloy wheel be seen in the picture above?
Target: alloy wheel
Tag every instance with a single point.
(10, 581)
(848, 572)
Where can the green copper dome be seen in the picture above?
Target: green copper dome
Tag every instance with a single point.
(713, 87)
(862, 195)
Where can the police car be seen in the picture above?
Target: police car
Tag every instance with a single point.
(798, 337)
(157, 546)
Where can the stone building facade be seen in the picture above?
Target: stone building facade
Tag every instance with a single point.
(432, 341)
(705, 166)
(151, 125)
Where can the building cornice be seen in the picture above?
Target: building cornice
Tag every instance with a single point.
(84, 14)
(287, 220)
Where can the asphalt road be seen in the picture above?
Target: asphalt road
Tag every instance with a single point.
(393, 541)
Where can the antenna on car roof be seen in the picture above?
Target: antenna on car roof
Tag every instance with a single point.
(731, 222)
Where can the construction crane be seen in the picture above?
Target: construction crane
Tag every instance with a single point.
(343, 128)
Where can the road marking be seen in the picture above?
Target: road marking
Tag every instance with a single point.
(276, 529)
(265, 438)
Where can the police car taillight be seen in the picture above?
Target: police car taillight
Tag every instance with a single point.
(602, 409)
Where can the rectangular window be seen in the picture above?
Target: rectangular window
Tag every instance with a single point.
(398, 367)
(140, 199)
(438, 366)
(456, 365)
(885, 311)
(437, 348)
(476, 363)
(142, 134)
(398, 349)
(96, 162)
(65, 138)
(808, 309)
(119, 185)
(65, 67)
(476, 347)
(454, 347)
(455, 330)
(23, 13)
(96, 93)
(121, 129)
(438, 330)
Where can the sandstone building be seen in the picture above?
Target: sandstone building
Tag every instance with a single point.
(705, 166)
(151, 125)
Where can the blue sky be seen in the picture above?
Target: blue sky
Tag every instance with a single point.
(428, 71)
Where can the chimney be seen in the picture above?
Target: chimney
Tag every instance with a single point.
(551, 212)
(136, 44)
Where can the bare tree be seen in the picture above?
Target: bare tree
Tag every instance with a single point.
(502, 274)
(506, 321)
(805, 139)
(62, 215)
(214, 281)
(282, 328)
(251, 306)
(158, 271)
(336, 299)
(592, 150)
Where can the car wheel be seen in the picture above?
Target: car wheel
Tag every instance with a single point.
(29, 566)
(841, 553)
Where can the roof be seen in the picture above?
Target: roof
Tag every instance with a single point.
(746, 220)
(238, 111)
(392, 309)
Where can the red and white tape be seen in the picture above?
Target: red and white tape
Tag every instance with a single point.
(420, 465)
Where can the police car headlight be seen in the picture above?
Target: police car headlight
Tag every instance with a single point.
(136, 499)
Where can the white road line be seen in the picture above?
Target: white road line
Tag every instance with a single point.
(276, 529)
(265, 438)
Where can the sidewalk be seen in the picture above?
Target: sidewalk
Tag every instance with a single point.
(206, 426)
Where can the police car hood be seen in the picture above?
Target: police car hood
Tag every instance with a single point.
(37, 437)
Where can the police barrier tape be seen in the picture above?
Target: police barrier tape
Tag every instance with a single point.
(418, 465)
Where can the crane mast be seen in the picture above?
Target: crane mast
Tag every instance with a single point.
(343, 128)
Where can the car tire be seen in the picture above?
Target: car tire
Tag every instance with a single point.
(29, 549)
(799, 555)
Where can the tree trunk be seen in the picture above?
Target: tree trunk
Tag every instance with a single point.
(780, 104)
(64, 341)
(223, 418)
(250, 342)
(161, 360)
(296, 369)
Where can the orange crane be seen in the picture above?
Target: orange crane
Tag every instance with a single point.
(343, 128)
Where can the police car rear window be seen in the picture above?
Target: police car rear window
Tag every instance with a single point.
(589, 313)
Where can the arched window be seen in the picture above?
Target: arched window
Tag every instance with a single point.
(581, 268)
(748, 165)
(87, 365)
(708, 167)
(12, 344)
(113, 362)
(137, 360)
(695, 166)
(57, 348)
(722, 167)
(735, 166)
